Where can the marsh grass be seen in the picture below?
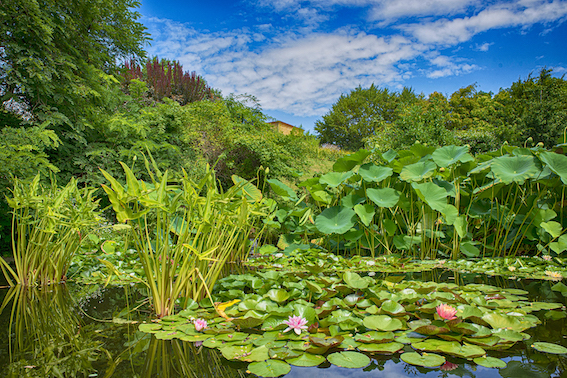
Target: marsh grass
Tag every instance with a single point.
(48, 224)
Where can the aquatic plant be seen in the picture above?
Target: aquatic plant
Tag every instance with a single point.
(48, 225)
(295, 323)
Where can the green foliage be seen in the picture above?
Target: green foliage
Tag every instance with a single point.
(362, 113)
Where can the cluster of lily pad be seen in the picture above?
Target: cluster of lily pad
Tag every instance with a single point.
(275, 319)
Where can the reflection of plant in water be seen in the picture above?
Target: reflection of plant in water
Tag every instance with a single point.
(173, 358)
(48, 339)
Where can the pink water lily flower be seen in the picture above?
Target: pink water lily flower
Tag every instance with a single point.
(200, 324)
(446, 312)
(297, 323)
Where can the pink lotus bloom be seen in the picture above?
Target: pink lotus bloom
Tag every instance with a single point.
(297, 323)
(200, 324)
(446, 312)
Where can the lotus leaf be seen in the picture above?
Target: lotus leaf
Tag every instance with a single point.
(383, 197)
(418, 171)
(490, 362)
(335, 220)
(282, 189)
(557, 163)
(334, 179)
(321, 196)
(353, 360)
(426, 360)
(250, 191)
(514, 168)
(433, 195)
(374, 173)
(449, 155)
(269, 368)
(549, 348)
(365, 213)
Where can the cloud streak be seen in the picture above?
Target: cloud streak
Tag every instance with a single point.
(303, 70)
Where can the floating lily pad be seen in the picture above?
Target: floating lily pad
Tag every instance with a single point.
(388, 348)
(426, 360)
(234, 352)
(269, 368)
(489, 362)
(150, 328)
(375, 337)
(354, 280)
(306, 359)
(353, 360)
(382, 323)
(549, 348)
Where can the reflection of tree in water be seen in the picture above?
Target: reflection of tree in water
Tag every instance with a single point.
(46, 337)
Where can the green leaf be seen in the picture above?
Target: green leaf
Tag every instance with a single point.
(335, 220)
(269, 368)
(418, 171)
(557, 163)
(353, 360)
(490, 362)
(307, 360)
(514, 168)
(383, 197)
(348, 162)
(433, 195)
(426, 360)
(382, 323)
(354, 281)
(549, 348)
(449, 155)
(334, 179)
(553, 228)
(365, 213)
(282, 189)
(278, 295)
(373, 173)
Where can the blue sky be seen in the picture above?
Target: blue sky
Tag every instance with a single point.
(297, 57)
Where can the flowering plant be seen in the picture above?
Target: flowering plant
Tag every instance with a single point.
(297, 323)
(446, 312)
(200, 324)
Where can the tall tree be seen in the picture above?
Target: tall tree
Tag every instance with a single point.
(361, 114)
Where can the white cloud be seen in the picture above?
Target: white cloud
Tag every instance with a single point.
(483, 47)
(446, 66)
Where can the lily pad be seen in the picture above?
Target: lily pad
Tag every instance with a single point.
(549, 348)
(426, 360)
(353, 360)
(354, 280)
(388, 348)
(307, 360)
(269, 368)
(382, 323)
(489, 362)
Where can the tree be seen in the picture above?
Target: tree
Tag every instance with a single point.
(57, 58)
(361, 114)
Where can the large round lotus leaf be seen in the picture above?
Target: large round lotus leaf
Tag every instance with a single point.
(383, 197)
(382, 323)
(335, 220)
(269, 368)
(557, 163)
(306, 359)
(433, 195)
(490, 362)
(353, 360)
(549, 348)
(375, 337)
(354, 280)
(449, 155)
(352, 200)
(282, 189)
(388, 348)
(365, 213)
(334, 179)
(514, 168)
(427, 360)
(374, 173)
(346, 163)
(418, 171)
(392, 308)
(278, 295)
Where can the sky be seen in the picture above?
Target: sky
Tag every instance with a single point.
(297, 57)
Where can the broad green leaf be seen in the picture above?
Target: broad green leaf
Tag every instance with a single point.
(307, 360)
(433, 195)
(427, 359)
(282, 189)
(335, 220)
(278, 295)
(388, 348)
(352, 200)
(269, 368)
(374, 173)
(557, 163)
(353, 360)
(418, 171)
(449, 155)
(549, 348)
(365, 213)
(383, 197)
(514, 168)
(354, 280)
(490, 362)
(553, 228)
(348, 162)
(334, 179)
(382, 323)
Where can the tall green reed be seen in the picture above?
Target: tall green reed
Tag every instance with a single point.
(185, 232)
(48, 224)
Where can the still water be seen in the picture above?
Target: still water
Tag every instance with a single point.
(90, 331)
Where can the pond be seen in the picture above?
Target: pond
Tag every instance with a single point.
(88, 330)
